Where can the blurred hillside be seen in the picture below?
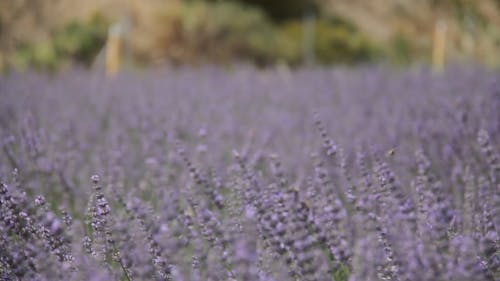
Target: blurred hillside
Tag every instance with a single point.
(48, 34)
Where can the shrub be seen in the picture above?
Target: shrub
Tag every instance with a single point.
(197, 31)
(335, 41)
(77, 42)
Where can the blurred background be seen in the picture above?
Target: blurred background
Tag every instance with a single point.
(119, 34)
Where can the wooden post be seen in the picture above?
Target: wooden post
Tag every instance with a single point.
(113, 50)
(309, 30)
(439, 46)
(2, 63)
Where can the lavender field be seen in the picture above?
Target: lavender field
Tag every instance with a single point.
(243, 174)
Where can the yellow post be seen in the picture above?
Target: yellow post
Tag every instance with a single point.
(439, 46)
(113, 50)
(2, 63)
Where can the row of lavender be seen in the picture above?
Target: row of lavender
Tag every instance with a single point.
(212, 174)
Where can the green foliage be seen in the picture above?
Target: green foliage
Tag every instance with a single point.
(76, 42)
(226, 30)
(339, 44)
(284, 9)
(400, 49)
(342, 274)
(41, 56)
(81, 41)
(335, 41)
(217, 32)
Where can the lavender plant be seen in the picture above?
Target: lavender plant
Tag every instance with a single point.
(245, 174)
